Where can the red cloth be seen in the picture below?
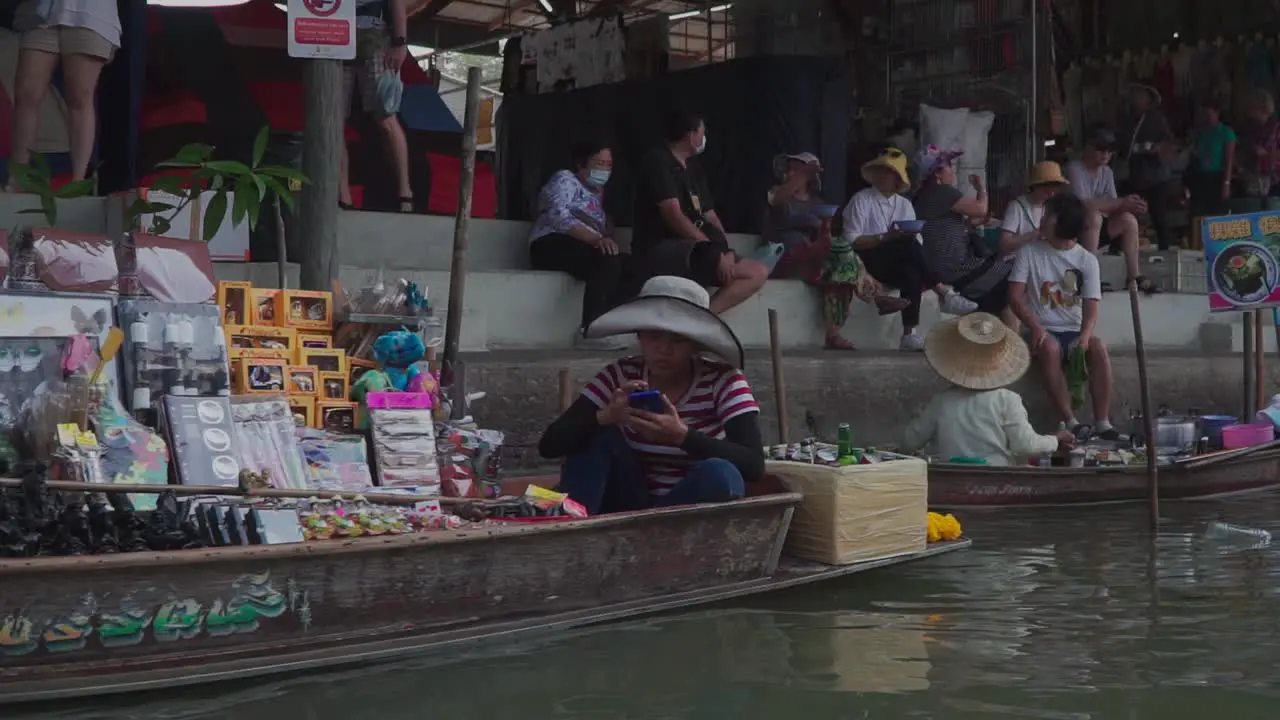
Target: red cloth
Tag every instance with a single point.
(183, 107)
(445, 173)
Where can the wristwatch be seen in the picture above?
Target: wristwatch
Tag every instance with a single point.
(399, 41)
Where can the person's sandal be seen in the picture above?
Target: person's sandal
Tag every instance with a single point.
(1146, 286)
(345, 206)
(839, 342)
(406, 204)
(888, 304)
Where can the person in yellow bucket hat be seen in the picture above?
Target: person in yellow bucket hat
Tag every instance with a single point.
(880, 225)
(1021, 223)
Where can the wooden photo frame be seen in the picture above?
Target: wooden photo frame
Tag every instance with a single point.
(334, 386)
(336, 416)
(303, 380)
(324, 359)
(261, 376)
(233, 301)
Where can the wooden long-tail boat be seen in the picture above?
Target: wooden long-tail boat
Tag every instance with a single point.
(82, 626)
(1228, 472)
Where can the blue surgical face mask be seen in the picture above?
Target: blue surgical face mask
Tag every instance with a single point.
(597, 178)
(702, 145)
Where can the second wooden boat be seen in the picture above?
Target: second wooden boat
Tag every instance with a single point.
(1224, 473)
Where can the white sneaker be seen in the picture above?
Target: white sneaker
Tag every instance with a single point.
(953, 303)
(911, 343)
(613, 343)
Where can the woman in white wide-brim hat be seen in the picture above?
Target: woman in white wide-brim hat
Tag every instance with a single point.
(978, 416)
(705, 442)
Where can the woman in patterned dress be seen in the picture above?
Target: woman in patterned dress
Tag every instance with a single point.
(801, 224)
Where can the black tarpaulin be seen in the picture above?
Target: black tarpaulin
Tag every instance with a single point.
(755, 108)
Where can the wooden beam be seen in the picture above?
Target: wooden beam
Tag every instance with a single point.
(514, 7)
(426, 9)
(321, 147)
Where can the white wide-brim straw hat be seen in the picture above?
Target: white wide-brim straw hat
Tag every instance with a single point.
(676, 305)
(976, 351)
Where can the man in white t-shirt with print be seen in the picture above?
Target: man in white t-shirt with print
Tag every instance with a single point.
(1055, 289)
(1112, 220)
(1021, 223)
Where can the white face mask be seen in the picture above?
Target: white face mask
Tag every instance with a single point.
(598, 178)
(702, 146)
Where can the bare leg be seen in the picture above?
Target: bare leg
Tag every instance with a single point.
(1092, 231)
(35, 71)
(81, 75)
(1125, 225)
(398, 147)
(1049, 358)
(748, 277)
(1099, 362)
(344, 175)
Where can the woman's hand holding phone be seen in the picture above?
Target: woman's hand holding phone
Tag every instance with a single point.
(619, 408)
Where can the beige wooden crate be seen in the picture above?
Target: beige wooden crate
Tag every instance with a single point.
(856, 513)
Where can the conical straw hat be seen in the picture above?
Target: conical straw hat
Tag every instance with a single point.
(976, 351)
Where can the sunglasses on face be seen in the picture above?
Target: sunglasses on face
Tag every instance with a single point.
(892, 153)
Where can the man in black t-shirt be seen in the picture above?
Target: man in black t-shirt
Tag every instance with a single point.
(676, 229)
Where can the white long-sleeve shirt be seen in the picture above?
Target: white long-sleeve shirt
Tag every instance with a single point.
(989, 424)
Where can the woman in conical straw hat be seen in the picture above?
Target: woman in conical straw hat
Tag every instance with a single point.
(695, 439)
(978, 416)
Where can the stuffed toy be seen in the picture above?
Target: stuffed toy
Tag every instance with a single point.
(397, 351)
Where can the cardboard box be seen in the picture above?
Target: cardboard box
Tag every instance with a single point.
(262, 309)
(314, 340)
(305, 309)
(334, 386)
(261, 342)
(233, 298)
(324, 359)
(302, 380)
(260, 376)
(336, 416)
(303, 406)
(856, 513)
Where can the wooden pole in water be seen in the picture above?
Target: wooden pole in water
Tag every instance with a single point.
(1259, 365)
(462, 223)
(1148, 419)
(1246, 323)
(779, 385)
(321, 157)
(566, 390)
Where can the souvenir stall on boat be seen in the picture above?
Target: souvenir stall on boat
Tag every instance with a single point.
(128, 364)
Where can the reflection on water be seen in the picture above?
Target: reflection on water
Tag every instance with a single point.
(1053, 614)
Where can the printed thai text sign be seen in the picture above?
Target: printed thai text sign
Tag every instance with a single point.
(322, 29)
(1242, 260)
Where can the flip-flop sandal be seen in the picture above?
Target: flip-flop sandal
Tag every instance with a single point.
(406, 201)
(1108, 287)
(345, 206)
(1146, 286)
(888, 304)
(839, 343)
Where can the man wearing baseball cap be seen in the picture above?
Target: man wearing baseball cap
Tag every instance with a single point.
(1112, 220)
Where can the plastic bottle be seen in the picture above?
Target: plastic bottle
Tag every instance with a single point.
(1228, 532)
(844, 441)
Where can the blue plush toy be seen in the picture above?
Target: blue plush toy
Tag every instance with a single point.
(397, 351)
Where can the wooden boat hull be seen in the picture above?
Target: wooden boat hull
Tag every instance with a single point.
(1226, 473)
(85, 626)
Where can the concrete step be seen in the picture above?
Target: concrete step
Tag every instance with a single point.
(528, 309)
(877, 393)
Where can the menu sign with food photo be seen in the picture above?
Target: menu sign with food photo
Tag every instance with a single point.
(1240, 253)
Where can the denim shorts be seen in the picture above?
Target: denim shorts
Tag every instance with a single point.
(1065, 339)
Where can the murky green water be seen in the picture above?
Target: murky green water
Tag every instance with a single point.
(1053, 614)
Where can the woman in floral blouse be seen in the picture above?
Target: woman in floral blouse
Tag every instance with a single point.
(572, 234)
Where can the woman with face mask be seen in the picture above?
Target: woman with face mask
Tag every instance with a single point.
(572, 234)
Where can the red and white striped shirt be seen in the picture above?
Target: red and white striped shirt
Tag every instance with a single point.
(718, 394)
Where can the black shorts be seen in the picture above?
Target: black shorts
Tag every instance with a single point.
(699, 262)
(993, 301)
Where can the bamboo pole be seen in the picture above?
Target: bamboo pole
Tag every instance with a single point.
(461, 227)
(566, 389)
(1246, 401)
(1259, 366)
(321, 159)
(274, 493)
(779, 385)
(1148, 420)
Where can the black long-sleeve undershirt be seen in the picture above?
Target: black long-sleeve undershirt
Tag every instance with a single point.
(742, 444)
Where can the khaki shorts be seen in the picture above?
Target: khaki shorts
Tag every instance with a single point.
(62, 40)
(363, 73)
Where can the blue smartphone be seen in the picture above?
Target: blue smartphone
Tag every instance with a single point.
(647, 400)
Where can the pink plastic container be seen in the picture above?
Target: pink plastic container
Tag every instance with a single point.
(1243, 436)
(398, 401)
